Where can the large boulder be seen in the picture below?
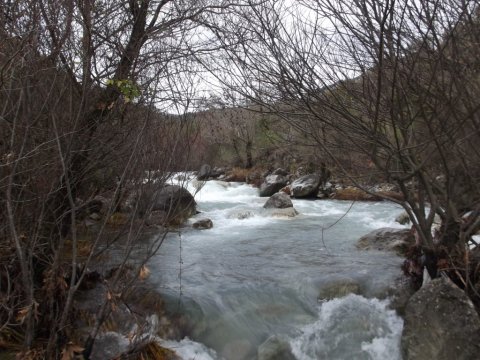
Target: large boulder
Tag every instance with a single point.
(305, 186)
(387, 239)
(272, 184)
(278, 201)
(440, 323)
(175, 201)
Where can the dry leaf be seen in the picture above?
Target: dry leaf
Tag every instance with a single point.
(144, 273)
(22, 314)
(68, 353)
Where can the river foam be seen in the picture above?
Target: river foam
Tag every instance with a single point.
(352, 327)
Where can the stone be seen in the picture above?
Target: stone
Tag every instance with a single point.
(275, 348)
(174, 200)
(305, 186)
(403, 218)
(203, 224)
(287, 212)
(204, 172)
(441, 323)
(272, 184)
(387, 239)
(281, 172)
(241, 214)
(339, 289)
(95, 216)
(278, 201)
(325, 190)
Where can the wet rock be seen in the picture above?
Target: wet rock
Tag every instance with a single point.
(275, 348)
(278, 201)
(305, 186)
(440, 323)
(387, 239)
(203, 224)
(237, 349)
(287, 212)
(400, 293)
(241, 214)
(339, 289)
(272, 184)
(175, 200)
(204, 172)
(403, 218)
(281, 172)
(326, 190)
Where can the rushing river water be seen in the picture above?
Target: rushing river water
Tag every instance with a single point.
(254, 276)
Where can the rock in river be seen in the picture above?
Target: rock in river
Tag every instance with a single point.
(389, 239)
(441, 323)
(203, 224)
(278, 201)
(305, 186)
(272, 184)
(275, 348)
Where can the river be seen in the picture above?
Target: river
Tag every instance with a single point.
(254, 276)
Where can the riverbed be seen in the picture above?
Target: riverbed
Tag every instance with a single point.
(254, 277)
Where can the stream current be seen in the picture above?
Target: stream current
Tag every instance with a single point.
(254, 277)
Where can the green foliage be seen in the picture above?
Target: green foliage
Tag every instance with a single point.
(128, 88)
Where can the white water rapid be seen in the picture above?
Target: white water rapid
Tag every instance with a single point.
(253, 276)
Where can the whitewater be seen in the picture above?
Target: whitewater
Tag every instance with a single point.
(254, 278)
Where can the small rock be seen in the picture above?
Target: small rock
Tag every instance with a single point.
(403, 218)
(275, 348)
(339, 289)
(203, 224)
(241, 215)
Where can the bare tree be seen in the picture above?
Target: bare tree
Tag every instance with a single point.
(82, 87)
(394, 82)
